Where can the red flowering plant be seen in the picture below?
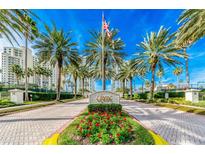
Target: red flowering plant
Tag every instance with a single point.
(105, 128)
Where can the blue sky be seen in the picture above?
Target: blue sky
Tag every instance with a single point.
(133, 25)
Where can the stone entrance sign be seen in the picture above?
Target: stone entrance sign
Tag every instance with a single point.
(104, 97)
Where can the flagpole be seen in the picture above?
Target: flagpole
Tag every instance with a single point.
(103, 55)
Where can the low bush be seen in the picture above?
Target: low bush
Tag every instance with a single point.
(171, 94)
(36, 96)
(6, 103)
(105, 108)
(126, 96)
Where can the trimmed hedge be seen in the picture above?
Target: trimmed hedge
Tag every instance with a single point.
(49, 96)
(104, 108)
(171, 94)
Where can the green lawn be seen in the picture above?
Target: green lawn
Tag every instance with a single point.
(70, 135)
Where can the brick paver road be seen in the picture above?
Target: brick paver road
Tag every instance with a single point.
(32, 127)
(176, 127)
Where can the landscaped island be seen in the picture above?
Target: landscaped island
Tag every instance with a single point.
(105, 124)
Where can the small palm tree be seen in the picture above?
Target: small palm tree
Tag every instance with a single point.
(57, 47)
(129, 71)
(18, 71)
(83, 74)
(156, 50)
(178, 71)
(112, 55)
(74, 71)
(160, 73)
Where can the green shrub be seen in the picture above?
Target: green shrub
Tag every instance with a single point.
(104, 107)
(136, 96)
(49, 96)
(126, 96)
(171, 94)
(142, 95)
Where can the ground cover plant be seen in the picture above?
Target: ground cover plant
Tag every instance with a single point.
(105, 128)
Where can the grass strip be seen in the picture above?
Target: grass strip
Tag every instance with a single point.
(182, 108)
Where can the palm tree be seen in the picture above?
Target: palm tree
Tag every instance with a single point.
(177, 71)
(192, 29)
(74, 71)
(11, 23)
(112, 56)
(157, 50)
(30, 73)
(56, 46)
(83, 74)
(30, 32)
(18, 71)
(129, 71)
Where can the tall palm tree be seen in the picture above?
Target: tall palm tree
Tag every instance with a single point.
(192, 29)
(56, 46)
(157, 50)
(177, 71)
(112, 55)
(18, 71)
(11, 23)
(30, 32)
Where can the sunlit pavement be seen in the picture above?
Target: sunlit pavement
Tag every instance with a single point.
(176, 127)
(32, 127)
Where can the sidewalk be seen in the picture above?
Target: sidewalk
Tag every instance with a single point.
(32, 127)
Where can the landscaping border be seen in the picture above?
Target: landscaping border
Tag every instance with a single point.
(53, 139)
(184, 108)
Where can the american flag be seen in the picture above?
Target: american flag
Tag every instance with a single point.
(106, 28)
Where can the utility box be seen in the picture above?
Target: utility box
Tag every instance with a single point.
(166, 95)
(16, 96)
(192, 95)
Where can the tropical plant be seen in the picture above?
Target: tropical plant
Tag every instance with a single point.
(18, 71)
(192, 29)
(177, 71)
(57, 47)
(74, 71)
(156, 50)
(83, 74)
(160, 73)
(30, 32)
(11, 23)
(112, 55)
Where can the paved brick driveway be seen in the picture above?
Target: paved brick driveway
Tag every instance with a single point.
(32, 127)
(176, 127)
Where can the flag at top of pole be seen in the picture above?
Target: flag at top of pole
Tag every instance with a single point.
(106, 27)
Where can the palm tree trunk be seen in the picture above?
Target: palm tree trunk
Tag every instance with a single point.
(142, 87)
(152, 83)
(123, 87)
(75, 87)
(59, 81)
(83, 86)
(103, 76)
(26, 69)
(177, 81)
(130, 87)
(187, 69)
